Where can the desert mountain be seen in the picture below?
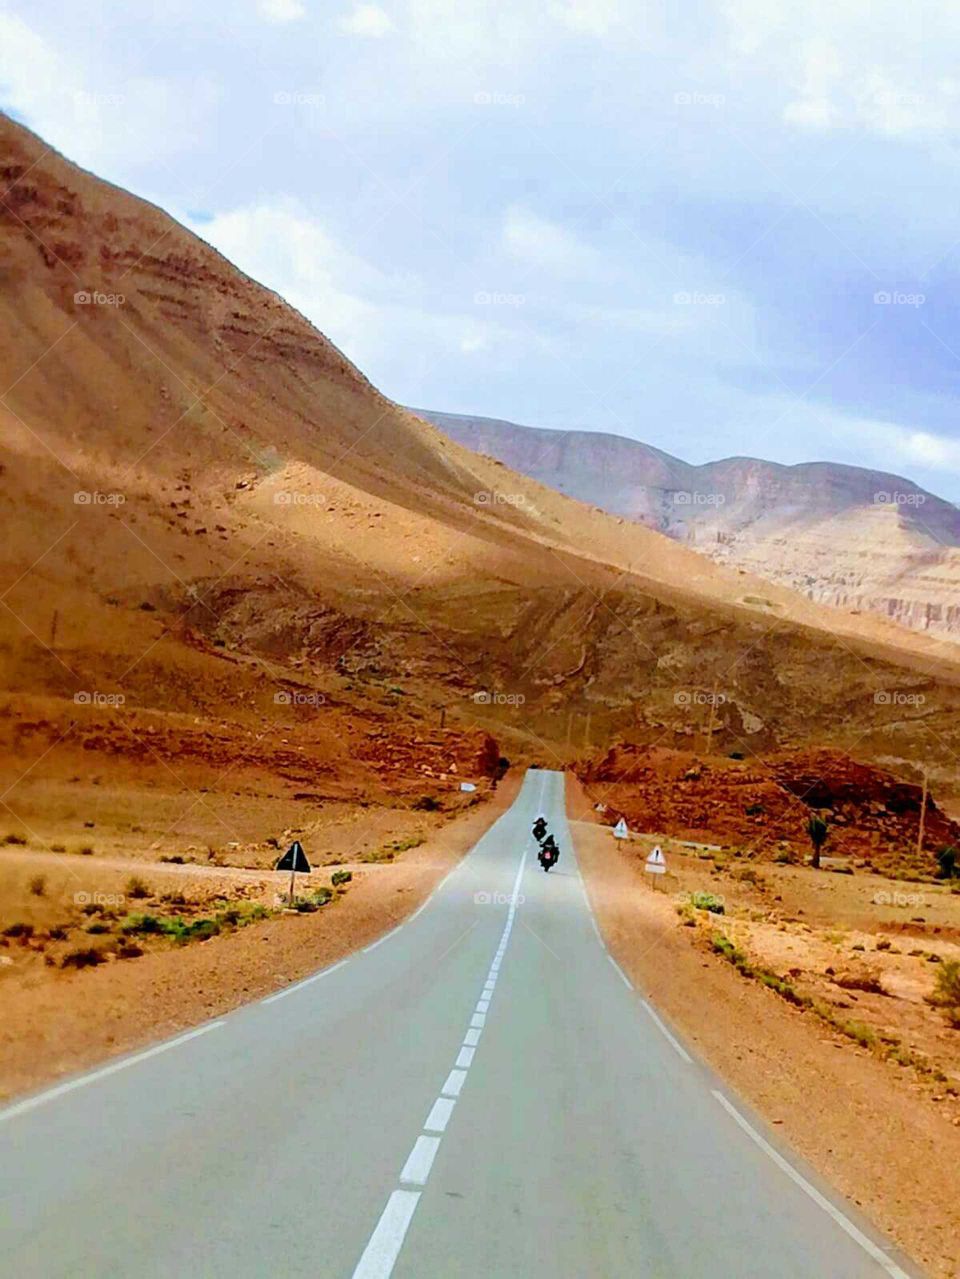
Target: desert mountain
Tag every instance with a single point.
(842, 535)
(205, 502)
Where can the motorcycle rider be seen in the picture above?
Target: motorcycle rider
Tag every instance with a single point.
(540, 828)
(549, 853)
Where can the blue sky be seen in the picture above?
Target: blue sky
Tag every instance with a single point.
(720, 226)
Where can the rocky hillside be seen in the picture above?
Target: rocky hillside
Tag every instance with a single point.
(842, 535)
(206, 505)
(762, 804)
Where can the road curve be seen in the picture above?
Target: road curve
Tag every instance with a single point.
(478, 1095)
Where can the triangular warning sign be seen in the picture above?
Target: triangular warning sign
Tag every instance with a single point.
(656, 862)
(620, 830)
(294, 859)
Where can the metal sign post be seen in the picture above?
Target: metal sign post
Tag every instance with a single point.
(293, 860)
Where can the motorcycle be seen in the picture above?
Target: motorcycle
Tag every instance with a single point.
(549, 854)
(539, 830)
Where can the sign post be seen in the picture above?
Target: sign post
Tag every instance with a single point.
(293, 860)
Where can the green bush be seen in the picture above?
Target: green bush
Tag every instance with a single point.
(341, 877)
(196, 930)
(143, 925)
(708, 901)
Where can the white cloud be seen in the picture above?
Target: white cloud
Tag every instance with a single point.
(879, 445)
(597, 18)
(281, 10)
(848, 63)
(550, 246)
(821, 71)
(920, 448)
(99, 117)
(376, 318)
(367, 20)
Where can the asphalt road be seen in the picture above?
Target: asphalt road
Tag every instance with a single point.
(479, 1094)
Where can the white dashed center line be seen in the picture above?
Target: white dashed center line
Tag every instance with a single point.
(380, 1255)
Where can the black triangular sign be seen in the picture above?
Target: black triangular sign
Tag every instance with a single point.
(294, 859)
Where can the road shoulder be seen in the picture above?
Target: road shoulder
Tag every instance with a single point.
(64, 1023)
(880, 1142)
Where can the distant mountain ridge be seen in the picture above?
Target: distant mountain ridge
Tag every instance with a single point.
(843, 535)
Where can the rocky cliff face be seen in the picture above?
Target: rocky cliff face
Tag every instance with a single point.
(846, 536)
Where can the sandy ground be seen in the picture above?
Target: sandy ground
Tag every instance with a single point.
(54, 1022)
(873, 1129)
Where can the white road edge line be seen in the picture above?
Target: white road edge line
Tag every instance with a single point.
(383, 1248)
(31, 1103)
(298, 985)
(670, 1038)
(623, 976)
(820, 1200)
(381, 940)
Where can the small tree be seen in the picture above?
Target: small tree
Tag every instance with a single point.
(947, 991)
(818, 831)
(947, 862)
